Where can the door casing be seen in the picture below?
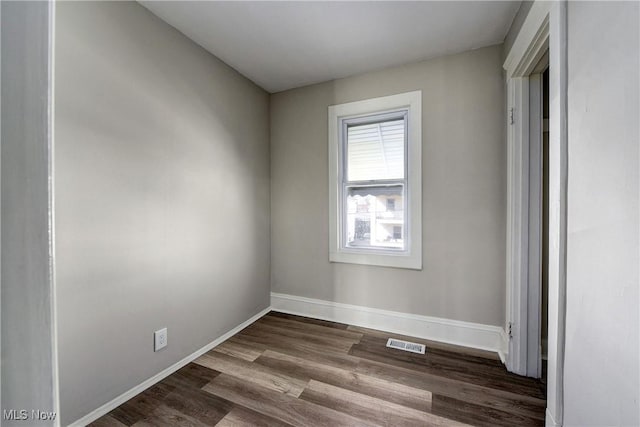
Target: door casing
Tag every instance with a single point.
(544, 28)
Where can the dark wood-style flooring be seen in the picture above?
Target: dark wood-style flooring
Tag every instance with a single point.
(286, 370)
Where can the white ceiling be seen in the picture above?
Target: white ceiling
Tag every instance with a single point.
(282, 45)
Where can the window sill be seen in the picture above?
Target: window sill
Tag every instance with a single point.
(380, 260)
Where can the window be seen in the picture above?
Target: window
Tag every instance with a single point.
(375, 181)
(373, 176)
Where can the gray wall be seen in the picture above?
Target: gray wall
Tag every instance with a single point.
(464, 187)
(162, 199)
(28, 367)
(602, 325)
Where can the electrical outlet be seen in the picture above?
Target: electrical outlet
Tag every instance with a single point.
(159, 339)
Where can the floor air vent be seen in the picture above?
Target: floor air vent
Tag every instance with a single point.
(406, 346)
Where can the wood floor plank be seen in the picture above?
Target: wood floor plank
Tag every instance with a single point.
(243, 417)
(299, 349)
(238, 350)
(482, 416)
(199, 405)
(106, 421)
(272, 338)
(311, 328)
(191, 375)
(488, 355)
(277, 405)
(467, 356)
(164, 416)
(504, 401)
(369, 408)
(449, 356)
(140, 406)
(252, 372)
(487, 376)
(445, 350)
(347, 379)
(337, 343)
(310, 320)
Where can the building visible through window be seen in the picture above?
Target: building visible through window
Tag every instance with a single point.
(391, 204)
(397, 232)
(374, 181)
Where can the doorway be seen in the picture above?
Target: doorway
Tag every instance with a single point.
(537, 221)
(538, 295)
(544, 324)
(544, 30)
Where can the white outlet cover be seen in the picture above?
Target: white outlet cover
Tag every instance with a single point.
(159, 339)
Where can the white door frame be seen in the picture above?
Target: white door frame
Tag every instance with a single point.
(525, 223)
(534, 296)
(544, 26)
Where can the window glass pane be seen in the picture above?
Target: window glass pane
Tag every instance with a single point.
(371, 220)
(376, 151)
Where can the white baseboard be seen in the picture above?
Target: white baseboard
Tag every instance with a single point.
(467, 334)
(503, 346)
(549, 420)
(109, 406)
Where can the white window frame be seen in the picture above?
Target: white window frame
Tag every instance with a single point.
(411, 257)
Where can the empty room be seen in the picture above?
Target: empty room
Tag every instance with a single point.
(319, 213)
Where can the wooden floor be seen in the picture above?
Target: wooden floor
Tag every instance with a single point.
(288, 370)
